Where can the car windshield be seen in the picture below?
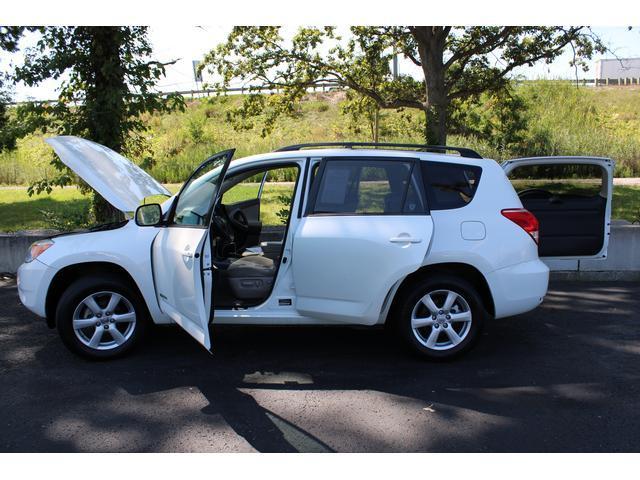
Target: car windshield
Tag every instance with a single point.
(198, 194)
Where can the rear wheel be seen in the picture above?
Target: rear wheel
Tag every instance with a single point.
(441, 317)
(100, 317)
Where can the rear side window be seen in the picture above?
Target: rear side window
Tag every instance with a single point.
(368, 187)
(449, 185)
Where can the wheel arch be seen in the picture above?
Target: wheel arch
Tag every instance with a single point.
(462, 270)
(70, 273)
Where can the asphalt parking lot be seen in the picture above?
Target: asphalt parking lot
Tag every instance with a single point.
(562, 378)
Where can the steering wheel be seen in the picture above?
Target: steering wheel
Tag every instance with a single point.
(220, 221)
(535, 192)
(239, 220)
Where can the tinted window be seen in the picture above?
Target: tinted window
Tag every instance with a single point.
(449, 185)
(382, 187)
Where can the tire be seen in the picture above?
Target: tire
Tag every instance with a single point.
(454, 330)
(77, 317)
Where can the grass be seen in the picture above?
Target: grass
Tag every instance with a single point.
(18, 211)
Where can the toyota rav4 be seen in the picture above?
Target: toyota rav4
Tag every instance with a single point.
(432, 241)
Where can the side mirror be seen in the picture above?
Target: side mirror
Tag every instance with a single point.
(148, 215)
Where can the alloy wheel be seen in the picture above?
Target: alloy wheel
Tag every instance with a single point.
(104, 320)
(441, 319)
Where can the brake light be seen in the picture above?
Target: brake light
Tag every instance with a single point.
(525, 220)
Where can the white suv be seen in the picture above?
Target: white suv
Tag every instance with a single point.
(410, 236)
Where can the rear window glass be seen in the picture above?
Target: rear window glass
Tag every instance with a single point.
(449, 185)
(373, 187)
(560, 179)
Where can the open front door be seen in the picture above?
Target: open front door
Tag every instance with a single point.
(571, 198)
(181, 252)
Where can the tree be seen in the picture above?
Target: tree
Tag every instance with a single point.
(9, 37)
(108, 81)
(457, 63)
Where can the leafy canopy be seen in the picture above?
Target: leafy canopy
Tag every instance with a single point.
(107, 81)
(458, 64)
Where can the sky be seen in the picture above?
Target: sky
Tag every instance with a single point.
(188, 43)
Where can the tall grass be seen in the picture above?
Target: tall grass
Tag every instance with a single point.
(569, 120)
(562, 120)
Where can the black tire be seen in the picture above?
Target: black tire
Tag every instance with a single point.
(71, 299)
(440, 283)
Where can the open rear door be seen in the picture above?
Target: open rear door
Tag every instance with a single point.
(571, 198)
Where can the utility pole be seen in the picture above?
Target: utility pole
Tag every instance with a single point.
(395, 66)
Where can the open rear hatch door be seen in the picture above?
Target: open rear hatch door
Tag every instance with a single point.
(571, 198)
(120, 181)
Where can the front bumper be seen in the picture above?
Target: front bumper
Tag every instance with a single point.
(518, 288)
(33, 280)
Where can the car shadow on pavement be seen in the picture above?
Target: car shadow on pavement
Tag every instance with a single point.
(562, 378)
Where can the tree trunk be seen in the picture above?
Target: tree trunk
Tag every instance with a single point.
(435, 132)
(105, 103)
(103, 211)
(431, 45)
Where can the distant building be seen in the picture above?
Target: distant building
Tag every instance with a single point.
(617, 68)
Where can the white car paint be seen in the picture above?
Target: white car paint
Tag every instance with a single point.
(343, 266)
(120, 181)
(341, 269)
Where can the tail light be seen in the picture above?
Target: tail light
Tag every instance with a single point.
(525, 220)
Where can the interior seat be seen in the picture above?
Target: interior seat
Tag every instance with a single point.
(251, 276)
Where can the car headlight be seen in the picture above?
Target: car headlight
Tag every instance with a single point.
(37, 248)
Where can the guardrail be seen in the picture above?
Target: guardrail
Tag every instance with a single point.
(204, 92)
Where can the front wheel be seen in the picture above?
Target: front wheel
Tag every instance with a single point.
(441, 317)
(100, 317)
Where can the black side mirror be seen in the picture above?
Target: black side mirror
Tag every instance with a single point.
(148, 215)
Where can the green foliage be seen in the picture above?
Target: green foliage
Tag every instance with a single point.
(9, 129)
(285, 200)
(560, 119)
(500, 118)
(458, 65)
(66, 222)
(109, 80)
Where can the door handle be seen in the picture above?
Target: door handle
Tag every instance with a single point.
(187, 254)
(405, 240)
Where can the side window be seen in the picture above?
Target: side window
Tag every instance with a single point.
(245, 189)
(197, 195)
(449, 185)
(368, 187)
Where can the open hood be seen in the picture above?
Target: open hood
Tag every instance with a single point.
(121, 182)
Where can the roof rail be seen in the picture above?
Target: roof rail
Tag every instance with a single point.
(464, 152)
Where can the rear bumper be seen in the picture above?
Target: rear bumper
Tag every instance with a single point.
(33, 281)
(518, 288)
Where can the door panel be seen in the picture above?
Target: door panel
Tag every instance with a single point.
(177, 256)
(344, 266)
(181, 253)
(251, 210)
(572, 226)
(571, 198)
